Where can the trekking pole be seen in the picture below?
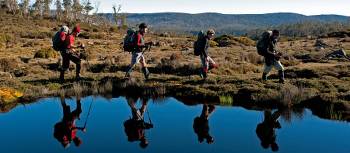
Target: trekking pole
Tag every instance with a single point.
(87, 117)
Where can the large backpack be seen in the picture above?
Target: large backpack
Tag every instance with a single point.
(198, 45)
(129, 40)
(57, 43)
(262, 44)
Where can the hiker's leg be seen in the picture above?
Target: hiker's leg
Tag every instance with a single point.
(134, 60)
(205, 66)
(212, 63)
(65, 64)
(78, 110)
(266, 71)
(144, 106)
(144, 66)
(280, 68)
(75, 59)
(205, 111)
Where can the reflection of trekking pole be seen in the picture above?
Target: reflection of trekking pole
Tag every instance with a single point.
(87, 117)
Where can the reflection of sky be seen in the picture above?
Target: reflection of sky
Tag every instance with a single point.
(30, 129)
(308, 7)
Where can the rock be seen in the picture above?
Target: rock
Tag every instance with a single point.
(320, 43)
(5, 75)
(337, 54)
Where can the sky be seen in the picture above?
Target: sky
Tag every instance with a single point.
(306, 7)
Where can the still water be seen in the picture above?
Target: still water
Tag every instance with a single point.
(127, 125)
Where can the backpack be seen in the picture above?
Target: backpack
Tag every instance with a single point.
(129, 40)
(57, 43)
(198, 45)
(262, 43)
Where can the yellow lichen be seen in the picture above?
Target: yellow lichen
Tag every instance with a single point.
(9, 95)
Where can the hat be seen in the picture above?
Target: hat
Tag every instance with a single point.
(210, 31)
(143, 25)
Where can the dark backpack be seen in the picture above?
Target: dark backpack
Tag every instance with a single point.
(129, 40)
(262, 44)
(198, 45)
(57, 43)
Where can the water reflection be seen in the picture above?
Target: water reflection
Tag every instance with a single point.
(266, 129)
(65, 131)
(201, 124)
(186, 127)
(136, 125)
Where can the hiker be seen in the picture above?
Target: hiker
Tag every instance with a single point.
(266, 47)
(135, 126)
(266, 130)
(139, 46)
(65, 131)
(201, 124)
(201, 48)
(69, 53)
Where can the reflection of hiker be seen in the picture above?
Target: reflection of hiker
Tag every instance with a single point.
(201, 124)
(69, 53)
(65, 131)
(266, 47)
(138, 46)
(266, 130)
(201, 48)
(135, 126)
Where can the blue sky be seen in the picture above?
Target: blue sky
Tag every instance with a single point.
(307, 7)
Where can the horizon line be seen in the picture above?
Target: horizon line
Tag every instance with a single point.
(229, 13)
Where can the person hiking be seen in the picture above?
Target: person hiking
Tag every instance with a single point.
(135, 126)
(202, 47)
(201, 124)
(266, 47)
(266, 130)
(69, 53)
(66, 130)
(138, 49)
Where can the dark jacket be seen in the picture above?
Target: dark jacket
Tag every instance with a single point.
(204, 44)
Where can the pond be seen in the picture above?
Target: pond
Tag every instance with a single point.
(131, 124)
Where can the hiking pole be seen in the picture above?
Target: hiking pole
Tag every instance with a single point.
(87, 117)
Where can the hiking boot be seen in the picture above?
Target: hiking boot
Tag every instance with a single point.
(145, 72)
(281, 77)
(264, 77)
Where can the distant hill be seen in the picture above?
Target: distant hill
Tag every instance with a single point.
(224, 23)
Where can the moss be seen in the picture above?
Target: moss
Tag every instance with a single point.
(8, 95)
(46, 53)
